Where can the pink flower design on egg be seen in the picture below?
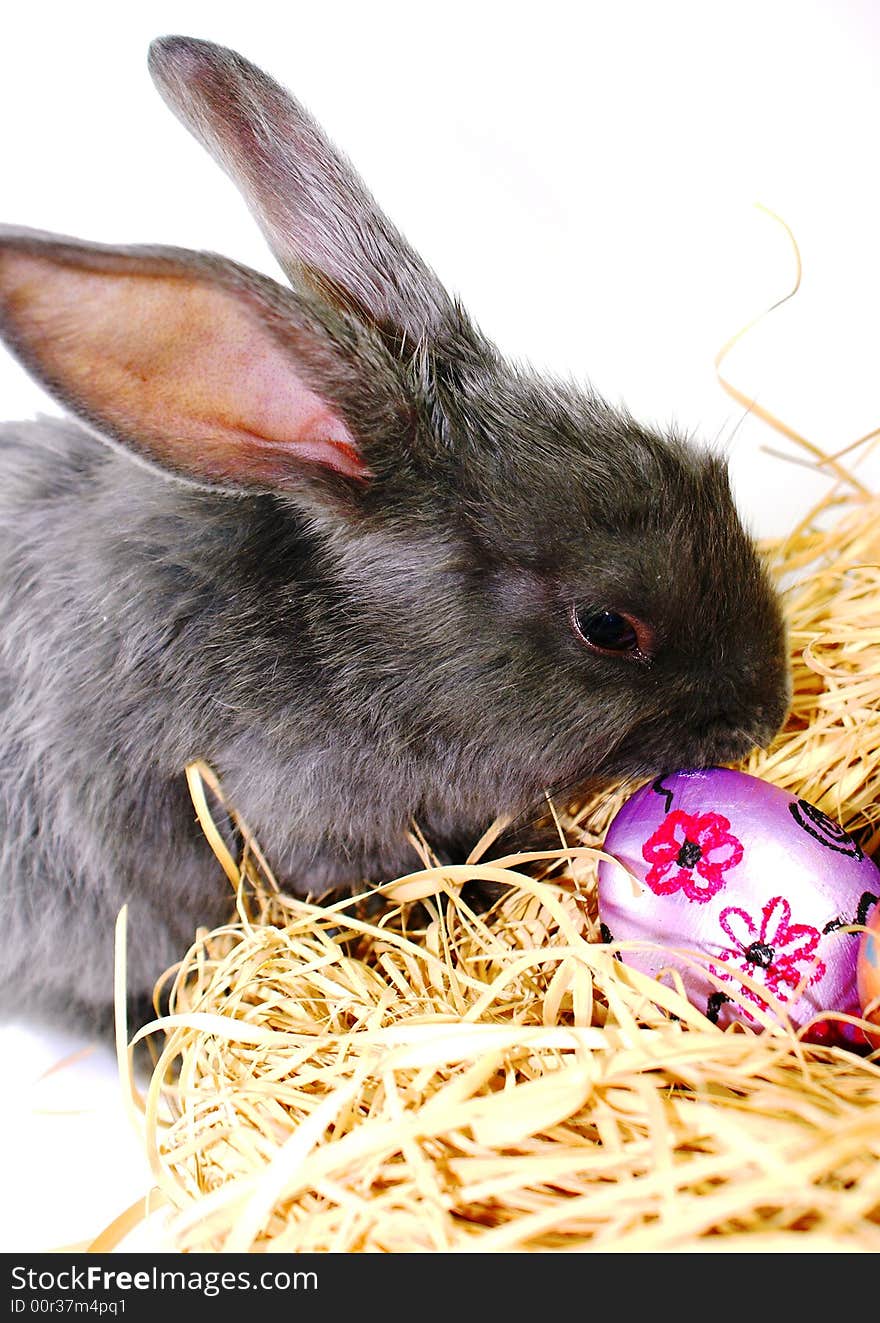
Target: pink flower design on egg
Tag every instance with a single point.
(775, 952)
(690, 852)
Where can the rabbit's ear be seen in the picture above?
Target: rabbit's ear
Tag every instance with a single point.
(321, 223)
(213, 371)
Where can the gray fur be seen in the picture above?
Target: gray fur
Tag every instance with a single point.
(350, 657)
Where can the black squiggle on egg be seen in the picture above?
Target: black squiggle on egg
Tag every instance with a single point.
(608, 936)
(866, 900)
(660, 789)
(824, 829)
(714, 1004)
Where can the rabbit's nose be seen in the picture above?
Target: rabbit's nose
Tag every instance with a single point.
(725, 744)
(744, 721)
(729, 737)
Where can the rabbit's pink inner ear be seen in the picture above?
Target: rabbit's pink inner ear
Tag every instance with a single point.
(181, 369)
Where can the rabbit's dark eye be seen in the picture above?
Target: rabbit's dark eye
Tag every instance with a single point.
(612, 632)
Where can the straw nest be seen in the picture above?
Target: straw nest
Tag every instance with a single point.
(409, 1075)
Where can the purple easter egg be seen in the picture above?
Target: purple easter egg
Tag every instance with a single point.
(743, 872)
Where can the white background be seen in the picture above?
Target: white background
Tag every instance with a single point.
(584, 175)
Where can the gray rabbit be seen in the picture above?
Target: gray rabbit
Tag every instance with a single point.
(325, 538)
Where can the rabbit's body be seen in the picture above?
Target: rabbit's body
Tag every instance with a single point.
(400, 581)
